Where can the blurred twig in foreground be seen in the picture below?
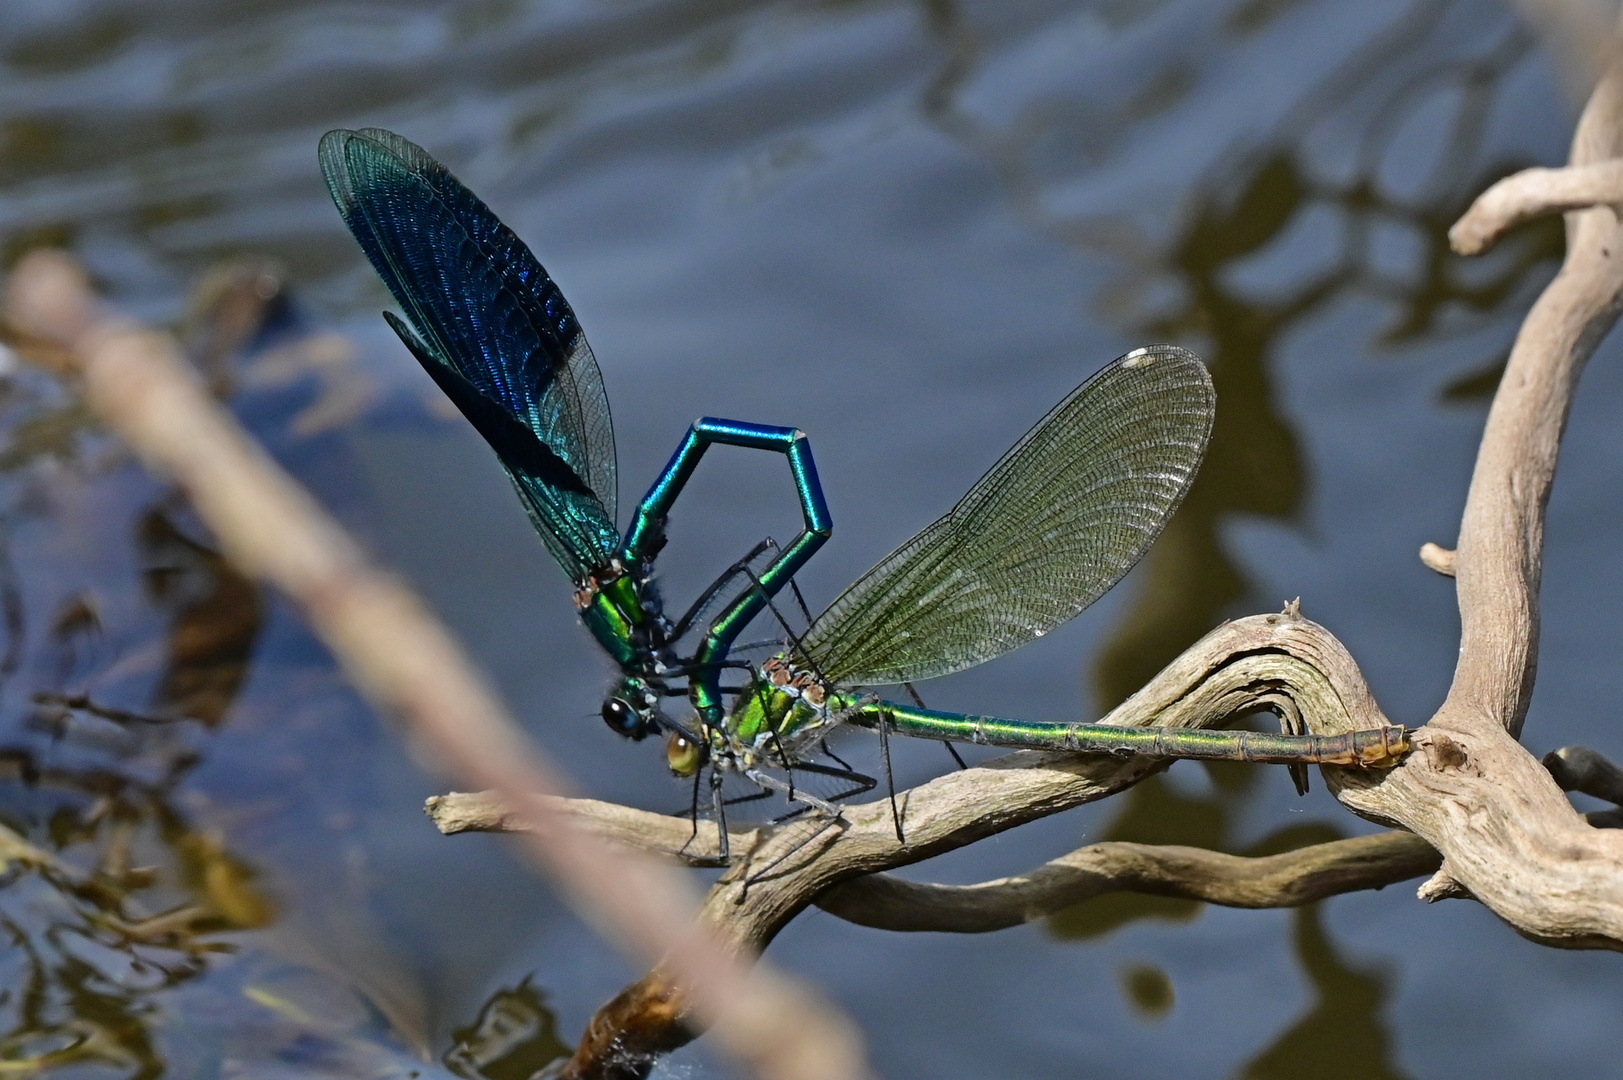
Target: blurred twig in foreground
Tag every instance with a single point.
(136, 382)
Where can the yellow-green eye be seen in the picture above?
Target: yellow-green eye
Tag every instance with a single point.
(683, 756)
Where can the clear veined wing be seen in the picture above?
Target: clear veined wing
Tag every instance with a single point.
(492, 330)
(1047, 531)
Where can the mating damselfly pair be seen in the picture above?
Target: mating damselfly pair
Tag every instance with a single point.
(1054, 524)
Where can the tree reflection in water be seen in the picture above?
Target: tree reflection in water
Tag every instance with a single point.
(1278, 230)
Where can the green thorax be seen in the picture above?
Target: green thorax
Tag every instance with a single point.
(617, 617)
(785, 708)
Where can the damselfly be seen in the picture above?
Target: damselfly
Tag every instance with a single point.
(1049, 529)
(496, 335)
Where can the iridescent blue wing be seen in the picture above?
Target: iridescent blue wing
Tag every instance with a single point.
(491, 329)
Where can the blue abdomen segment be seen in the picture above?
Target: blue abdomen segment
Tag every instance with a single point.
(647, 532)
(647, 535)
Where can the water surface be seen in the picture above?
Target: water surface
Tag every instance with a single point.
(907, 229)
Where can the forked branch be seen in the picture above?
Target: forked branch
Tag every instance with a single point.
(1508, 834)
(1282, 663)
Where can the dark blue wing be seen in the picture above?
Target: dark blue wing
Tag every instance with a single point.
(491, 329)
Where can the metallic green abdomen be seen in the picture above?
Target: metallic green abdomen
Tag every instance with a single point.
(617, 619)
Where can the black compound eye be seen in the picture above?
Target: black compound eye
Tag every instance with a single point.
(623, 719)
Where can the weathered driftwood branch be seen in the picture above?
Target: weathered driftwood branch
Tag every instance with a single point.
(888, 903)
(1509, 836)
(676, 838)
(1288, 880)
(403, 659)
(1284, 663)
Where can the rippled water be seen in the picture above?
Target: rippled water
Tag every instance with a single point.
(907, 229)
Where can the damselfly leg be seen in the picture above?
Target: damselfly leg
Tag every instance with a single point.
(913, 693)
(708, 596)
(823, 808)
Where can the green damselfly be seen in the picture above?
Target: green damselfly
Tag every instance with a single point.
(1057, 522)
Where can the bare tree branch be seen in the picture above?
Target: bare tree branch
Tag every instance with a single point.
(888, 903)
(675, 837)
(1287, 880)
(401, 657)
(1509, 836)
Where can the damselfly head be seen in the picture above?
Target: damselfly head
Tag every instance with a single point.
(632, 710)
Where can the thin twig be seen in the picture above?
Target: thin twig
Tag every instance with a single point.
(1438, 558)
(1534, 193)
(407, 664)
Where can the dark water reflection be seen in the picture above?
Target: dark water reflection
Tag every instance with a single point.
(905, 228)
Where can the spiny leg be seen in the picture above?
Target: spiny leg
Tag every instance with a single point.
(754, 796)
(757, 875)
(693, 811)
(825, 808)
(770, 783)
(822, 744)
(723, 844)
(688, 670)
(736, 800)
(801, 600)
(708, 596)
(860, 782)
(766, 598)
(787, 790)
(724, 856)
(890, 781)
(783, 757)
(764, 643)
